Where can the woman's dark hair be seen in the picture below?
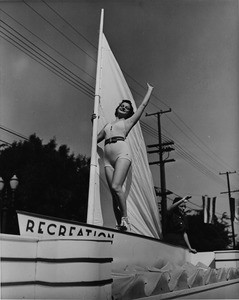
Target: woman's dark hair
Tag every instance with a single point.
(131, 111)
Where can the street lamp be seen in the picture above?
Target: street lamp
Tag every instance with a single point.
(1, 184)
(7, 203)
(14, 182)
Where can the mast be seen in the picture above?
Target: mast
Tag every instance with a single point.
(93, 163)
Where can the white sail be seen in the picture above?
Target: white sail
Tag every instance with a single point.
(142, 207)
(94, 215)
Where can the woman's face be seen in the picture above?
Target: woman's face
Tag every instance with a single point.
(124, 109)
(182, 208)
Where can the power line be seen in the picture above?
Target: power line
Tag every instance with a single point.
(52, 48)
(219, 160)
(74, 84)
(198, 146)
(132, 79)
(65, 36)
(5, 143)
(148, 125)
(54, 62)
(19, 135)
(49, 66)
(13, 132)
(91, 44)
(200, 165)
(69, 24)
(186, 155)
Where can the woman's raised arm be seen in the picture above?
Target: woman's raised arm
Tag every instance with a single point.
(136, 116)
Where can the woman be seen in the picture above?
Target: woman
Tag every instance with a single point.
(176, 231)
(117, 156)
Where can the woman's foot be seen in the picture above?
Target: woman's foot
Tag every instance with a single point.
(125, 224)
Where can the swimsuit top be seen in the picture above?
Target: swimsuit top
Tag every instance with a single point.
(115, 129)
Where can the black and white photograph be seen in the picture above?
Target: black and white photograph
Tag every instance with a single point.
(119, 149)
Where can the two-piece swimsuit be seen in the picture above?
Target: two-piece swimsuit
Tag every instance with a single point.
(115, 144)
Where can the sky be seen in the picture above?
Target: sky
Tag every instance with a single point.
(187, 49)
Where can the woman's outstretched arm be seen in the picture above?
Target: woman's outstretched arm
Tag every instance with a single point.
(136, 116)
(183, 200)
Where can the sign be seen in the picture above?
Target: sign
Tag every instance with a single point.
(31, 225)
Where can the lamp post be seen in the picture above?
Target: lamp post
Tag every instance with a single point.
(6, 201)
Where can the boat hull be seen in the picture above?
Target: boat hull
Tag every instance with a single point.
(127, 248)
(34, 268)
(53, 257)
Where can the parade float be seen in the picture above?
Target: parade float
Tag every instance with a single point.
(61, 259)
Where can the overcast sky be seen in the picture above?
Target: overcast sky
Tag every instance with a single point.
(187, 49)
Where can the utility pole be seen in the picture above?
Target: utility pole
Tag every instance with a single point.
(230, 204)
(162, 148)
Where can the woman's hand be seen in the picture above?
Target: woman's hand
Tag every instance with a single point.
(93, 116)
(150, 87)
(187, 198)
(192, 250)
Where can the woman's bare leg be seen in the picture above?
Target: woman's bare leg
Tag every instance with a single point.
(116, 205)
(122, 166)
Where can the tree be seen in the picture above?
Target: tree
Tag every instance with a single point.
(52, 182)
(208, 237)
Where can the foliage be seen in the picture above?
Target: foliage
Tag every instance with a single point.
(52, 182)
(208, 237)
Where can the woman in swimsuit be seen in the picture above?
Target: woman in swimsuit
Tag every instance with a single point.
(117, 156)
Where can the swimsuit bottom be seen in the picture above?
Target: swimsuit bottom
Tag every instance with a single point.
(114, 151)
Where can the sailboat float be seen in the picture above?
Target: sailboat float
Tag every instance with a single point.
(60, 259)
